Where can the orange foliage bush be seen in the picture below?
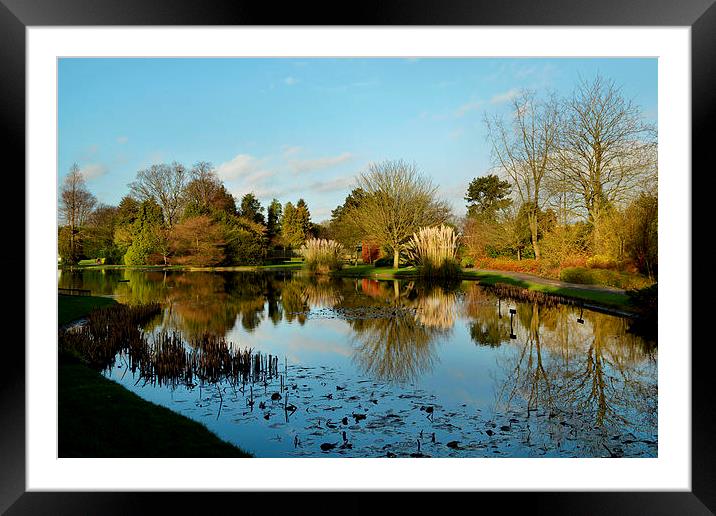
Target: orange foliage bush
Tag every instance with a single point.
(370, 252)
(529, 266)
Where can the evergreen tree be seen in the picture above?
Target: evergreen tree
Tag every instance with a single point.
(251, 209)
(273, 222)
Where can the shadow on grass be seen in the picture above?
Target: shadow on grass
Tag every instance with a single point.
(100, 418)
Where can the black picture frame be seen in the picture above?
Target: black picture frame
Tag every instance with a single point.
(16, 15)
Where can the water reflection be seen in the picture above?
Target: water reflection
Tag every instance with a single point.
(592, 375)
(566, 378)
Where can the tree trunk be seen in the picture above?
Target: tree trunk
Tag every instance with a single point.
(535, 246)
(396, 257)
(533, 232)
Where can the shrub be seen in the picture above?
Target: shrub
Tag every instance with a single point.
(468, 262)
(574, 261)
(530, 266)
(602, 262)
(579, 275)
(434, 251)
(322, 255)
(369, 252)
(605, 277)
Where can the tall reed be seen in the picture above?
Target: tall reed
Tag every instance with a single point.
(113, 335)
(322, 255)
(434, 251)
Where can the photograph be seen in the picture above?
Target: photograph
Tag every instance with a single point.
(357, 257)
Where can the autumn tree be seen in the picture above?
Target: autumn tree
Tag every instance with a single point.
(76, 204)
(165, 185)
(523, 149)
(398, 201)
(197, 241)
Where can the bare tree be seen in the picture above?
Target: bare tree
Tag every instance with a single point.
(204, 183)
(607, 152)
(398, 201)
(76, 205)
(165, 184)
(523, 150)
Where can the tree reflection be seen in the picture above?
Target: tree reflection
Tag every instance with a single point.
(594, 373)
(400, 348)
(487, 325)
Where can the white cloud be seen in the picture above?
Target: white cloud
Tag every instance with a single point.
(239, 166)
(122, 139)
(290, 81)
(245, 173)
(263, 192)
(505, 96)
(310, 165)
(93, 171)
(334, 185)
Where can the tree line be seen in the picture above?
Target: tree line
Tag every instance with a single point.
(574, 181)
(176, 215)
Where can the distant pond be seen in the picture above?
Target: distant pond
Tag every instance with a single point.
(371, 368)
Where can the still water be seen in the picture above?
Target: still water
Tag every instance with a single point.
(399, 368)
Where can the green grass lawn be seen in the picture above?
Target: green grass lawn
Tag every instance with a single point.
(98, 417)
(70, 308)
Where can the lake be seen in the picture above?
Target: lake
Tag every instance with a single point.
(370, 368)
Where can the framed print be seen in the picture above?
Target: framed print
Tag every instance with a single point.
(327, 248)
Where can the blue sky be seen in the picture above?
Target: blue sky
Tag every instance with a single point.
(290, 128)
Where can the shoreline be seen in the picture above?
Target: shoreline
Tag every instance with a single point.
(605, 299)
(87, 399)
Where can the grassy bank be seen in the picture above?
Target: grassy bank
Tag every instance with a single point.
(605, 297)
(71, 308)
(589, 294)
(98, 417)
